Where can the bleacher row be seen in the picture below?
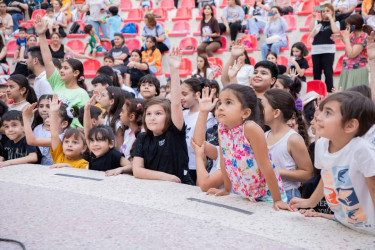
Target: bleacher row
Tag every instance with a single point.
(183, 29)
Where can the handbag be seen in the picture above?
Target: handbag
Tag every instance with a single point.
(315, 31)
(273, 39)
(74, 28)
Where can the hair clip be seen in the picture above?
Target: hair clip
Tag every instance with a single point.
(139, 105)
(113, 93)
(81, 78)
(69, 112)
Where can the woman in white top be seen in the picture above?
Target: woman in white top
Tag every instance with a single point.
(257, 17)
(241, 70)
(203, 68)
(60, 19)
(343, 9)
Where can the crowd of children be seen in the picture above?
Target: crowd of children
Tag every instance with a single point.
(256, 137)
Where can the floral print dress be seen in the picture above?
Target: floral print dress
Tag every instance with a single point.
(242, 169)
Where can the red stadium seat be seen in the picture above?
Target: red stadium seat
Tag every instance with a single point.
(186, 68)
(167, 4)
(199, 17)
(282, 60)
(291, 21)
(11, 47)
(182, 14)
(188, 4)
(188, 45)
(198, 32)
(307, 8)
(180, 28)
(106, 45)
(131, 34)
(309, 71)
(135, 15)
(306, 40)
(91, 67)
(223, 4)
(224, 46)
(307, 22)
(40, 12)
(318, 86)
(162, 13)
(216, 64)
(252, 60)
(133, 44)
(251, 42)
(287, 45)
(126, 5)
(76, 45)
(338, 68)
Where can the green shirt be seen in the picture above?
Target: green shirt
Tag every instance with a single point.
(72, 97)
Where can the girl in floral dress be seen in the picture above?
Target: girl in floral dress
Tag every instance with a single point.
(245, 162)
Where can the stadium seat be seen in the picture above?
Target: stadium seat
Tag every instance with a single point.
(131, 34)
(318, 86)
(167, 4)
(40, 12)
(309, 71)
(223, 4)
(252, 60)
(91, 67)
(76, 45)
(182, 14)
(307, 8)
(126, 5)
(162, 13)
(249, 2)
(188, 4)
(286, 48)
(251, 42)
(224, 46)
(186, 68)
(180, 28)
(307, 22)
(200, 17)
(216, 64)
(11, 47)
(81, 35)
(107, 45)
(291, 21)
(306, 40)
(133, 44)
(188, 45)
(338, 68)
(282, 60)
(135, 15)
(198, 32)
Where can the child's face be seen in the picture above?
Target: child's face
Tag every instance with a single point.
(14, 91)
(124, 116)
(13, 130)
(109, 62)
(99, 88)
(278, 85)
(329, 121)
(135, 57)
(262, 79)
(99, 146)
(168, 87)
(163, 93)
(66, 72)
(269, 112)
(272, 58)
(99, 121)
(118, 41)
(104, 100)
(188, 97)
(149, 43)
(292, 123)
(92, 31)
(73, 148)
(155, 119)
(147, 90)
(313, 125)
(50, 14)
(22, 34)
(296, 52)
(43, 108)
(200, 62)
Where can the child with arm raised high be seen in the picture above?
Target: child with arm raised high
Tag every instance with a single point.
(246, 165)
(161, 152)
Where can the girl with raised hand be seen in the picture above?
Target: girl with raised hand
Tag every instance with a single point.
(288, 150)
(161, 152)
(18, 89)
(69, 83)
(246, 165)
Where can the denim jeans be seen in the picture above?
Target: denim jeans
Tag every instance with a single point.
(255, 26)
(292, 193)
(153, 69)
(275, 47)
(16, 17)
(103, 26)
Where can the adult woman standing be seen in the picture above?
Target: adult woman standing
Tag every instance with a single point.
(58, 50)
(98, 11)
(232, 17)
(275, 30)
(210, 32)
(61, 21)
(323, 49)
(154, 29)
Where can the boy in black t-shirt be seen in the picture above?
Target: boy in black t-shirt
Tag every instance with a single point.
(15, 150)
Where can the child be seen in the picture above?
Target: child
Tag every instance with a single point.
(93, 41)
(111, 100)
(246, 166)
(50, 19)
(161, 152)
(16, 150)
(151, 55)
(297, 61)
(292, 85)
(3, 93)
(191, 90)
(288, 150)
(163, 91)
(114, 21)
(346, 160)
(146, 5)
(19, 90)
(203, 68)
(21, 42)
(148, 87)
(96, 115)
(131, 117)
(272, 57)
(100, 83)
(109, 61)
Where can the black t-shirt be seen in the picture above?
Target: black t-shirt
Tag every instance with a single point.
(59, 53)
(14, 3)
(135, 75)
(108, 161)
(309, 188)
(303, 64)
(282, 69)
(17, 150)
(324, 35)
(165, 153)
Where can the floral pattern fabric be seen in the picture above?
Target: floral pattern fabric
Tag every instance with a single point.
(359, 61)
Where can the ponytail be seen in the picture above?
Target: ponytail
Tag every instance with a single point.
(22, 82)
(302, 128)
(77, 65)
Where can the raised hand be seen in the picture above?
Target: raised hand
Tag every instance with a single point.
(233, 70)
(40, 25)
(293, 72)
(54, 105)
(207, 103)
(237, 48)
(174, 59)
(28, 111)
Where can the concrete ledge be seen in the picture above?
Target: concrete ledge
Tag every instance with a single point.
(49, 211)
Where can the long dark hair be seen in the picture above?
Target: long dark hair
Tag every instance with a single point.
(37, 118)
(115, 94)
(293, 84)
(203, 16)
(77, 65)
(22, 82)
(153, 39)
(357, 21)
(205, 66)
(2, 44)
(106, 70)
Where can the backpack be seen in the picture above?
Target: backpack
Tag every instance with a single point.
(129, 28)
(74, 28)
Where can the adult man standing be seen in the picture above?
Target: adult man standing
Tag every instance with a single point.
(6, 21)
(35, 64)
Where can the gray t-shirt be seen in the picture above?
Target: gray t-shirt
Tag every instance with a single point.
(119, 51)
(155, 32)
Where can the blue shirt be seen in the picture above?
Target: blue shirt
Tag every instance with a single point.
(20, 42)
(115, 23)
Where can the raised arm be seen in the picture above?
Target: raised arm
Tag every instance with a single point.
(41, 27)
(237, 50)
(174, 61)
(54, 117)
(351, 51)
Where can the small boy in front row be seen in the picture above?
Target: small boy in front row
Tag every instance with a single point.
(15, 150)
(93, 41)
(346, 160)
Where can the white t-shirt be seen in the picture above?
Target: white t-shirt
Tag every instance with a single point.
(129, 139)
(344, 175)
(244, 74)
(190, 121)
(107, 122)
(346, 4)
(208, 72)
(216, 163)
(259, 13)
(371, 21)
(42, 86)
(370, 135)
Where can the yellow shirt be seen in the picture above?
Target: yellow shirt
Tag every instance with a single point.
(59, 157)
